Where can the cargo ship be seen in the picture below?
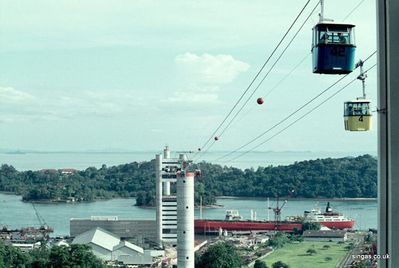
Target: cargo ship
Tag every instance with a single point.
(234, 222)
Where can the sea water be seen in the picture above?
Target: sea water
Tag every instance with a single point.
(15, 214)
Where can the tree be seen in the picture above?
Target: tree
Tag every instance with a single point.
(12, 257)
(74, 256)
(40, 256)
(220, 255)
(260, 264)
(278, 240)
(343, 177)
(310, 226)
(140, 198)
(311, 251)
(280, 264)
(59, 256)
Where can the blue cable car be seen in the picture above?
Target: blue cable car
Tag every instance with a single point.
(333, 48)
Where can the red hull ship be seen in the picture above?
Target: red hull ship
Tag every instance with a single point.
(205, 226)
(329, 218)
(234, 222)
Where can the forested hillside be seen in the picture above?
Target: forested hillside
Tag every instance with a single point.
(342, 177)
(328, 178)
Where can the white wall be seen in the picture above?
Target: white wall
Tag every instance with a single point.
(100, 252)
(129, 256)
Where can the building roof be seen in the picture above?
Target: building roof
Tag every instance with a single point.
(99, 237)
(328, 234)
(130, 246)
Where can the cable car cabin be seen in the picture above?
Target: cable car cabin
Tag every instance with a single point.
(357, 115)
(333, 48)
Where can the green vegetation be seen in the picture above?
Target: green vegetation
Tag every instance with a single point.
(73, 256)
(311, 251)
(344, 177)
(297, 255)
(311, 226)
(219, 255)
(279, 240)
(280, 264)
(260, 264)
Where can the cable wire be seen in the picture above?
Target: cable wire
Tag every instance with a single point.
(291, 114)
(353, 10)
(267, 74)
(256, 76)
(286, 76)
(300, 118)
(350, 13)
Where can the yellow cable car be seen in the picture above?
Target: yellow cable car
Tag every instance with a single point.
(357, 115)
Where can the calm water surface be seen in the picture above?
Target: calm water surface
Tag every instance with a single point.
(14, 213)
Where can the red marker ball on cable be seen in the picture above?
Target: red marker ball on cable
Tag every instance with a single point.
(260, 101)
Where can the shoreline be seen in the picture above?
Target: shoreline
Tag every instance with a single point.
(369, 199)
(342, 199)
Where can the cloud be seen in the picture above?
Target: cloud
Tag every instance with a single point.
(9, 95)
(17, 106)
(202, 77)
(190, 97)
(210, 69)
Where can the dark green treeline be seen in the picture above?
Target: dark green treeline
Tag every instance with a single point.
(324, 178)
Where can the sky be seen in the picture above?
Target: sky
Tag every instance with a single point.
(139, 75)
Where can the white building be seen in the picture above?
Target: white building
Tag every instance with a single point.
(129, 253)
(166, 217)
(331, 235)
(101, 242)
(109, 247)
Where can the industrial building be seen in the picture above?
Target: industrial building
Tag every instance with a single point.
(325, 235)
(110, 247)
(131, 241)
(141, 232)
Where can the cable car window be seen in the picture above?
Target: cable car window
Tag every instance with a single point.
(351, 36)
(348, 109)
(357, 109)
(339, 37)
(334, 34)
(324, 37)
(365, 108)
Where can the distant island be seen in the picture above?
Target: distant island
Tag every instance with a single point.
(349, 177)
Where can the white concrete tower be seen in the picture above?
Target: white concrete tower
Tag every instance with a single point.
(166, 184)
(158, 183)
(185, 220)
(166, 168)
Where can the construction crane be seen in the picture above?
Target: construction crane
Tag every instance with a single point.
(277, 210)
(40, 219)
